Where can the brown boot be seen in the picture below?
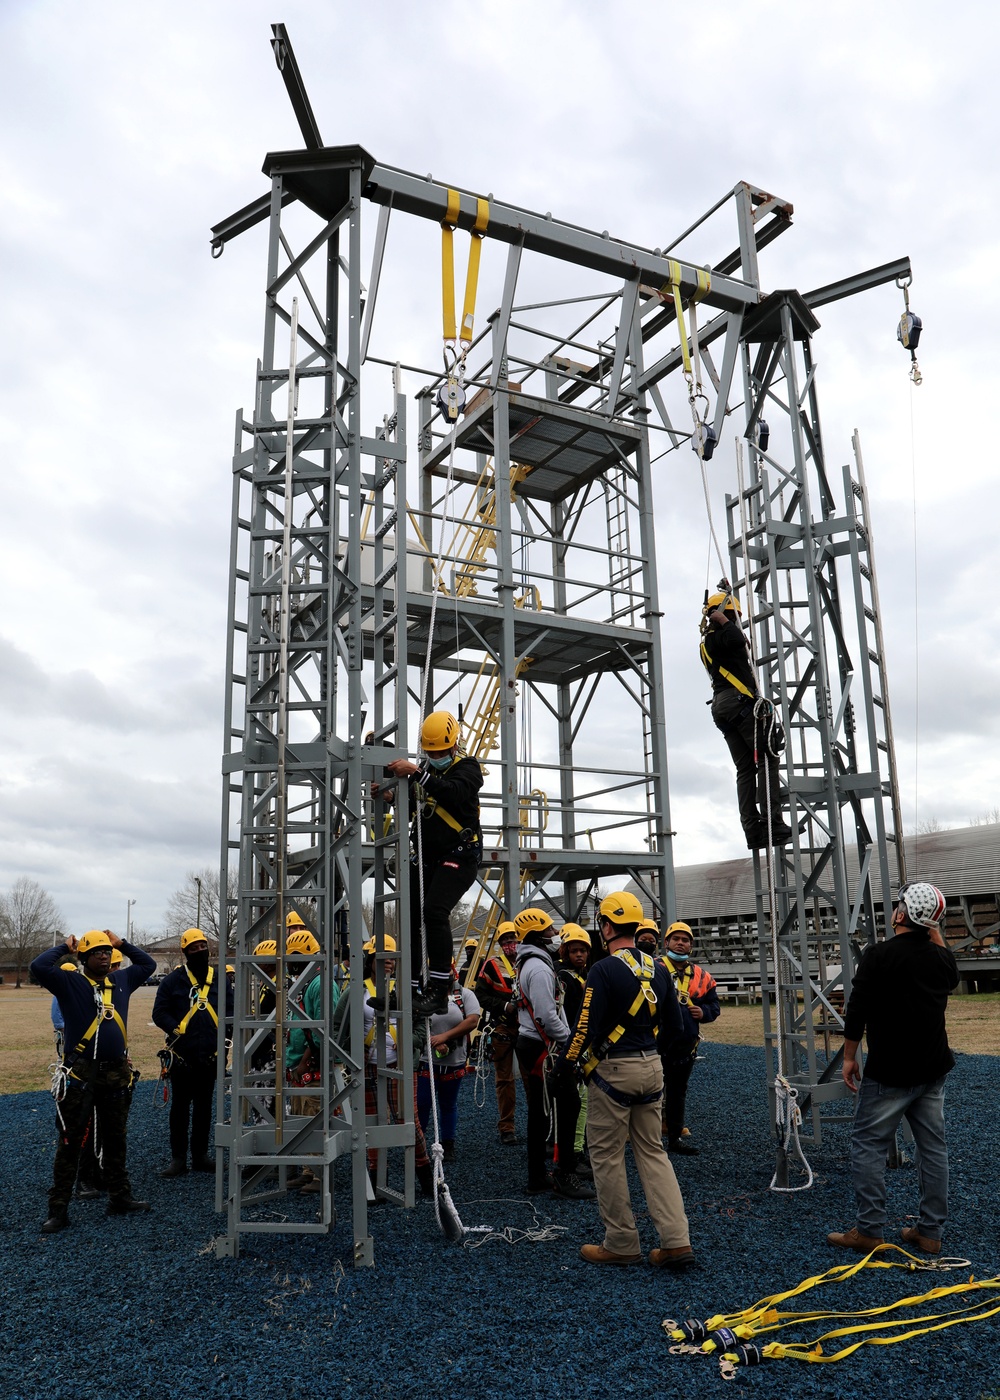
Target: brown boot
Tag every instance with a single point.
(681, 1258)
(854, 1239)
(597, 1254)
(911, 1235)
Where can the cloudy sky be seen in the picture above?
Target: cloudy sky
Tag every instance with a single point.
(130, 129)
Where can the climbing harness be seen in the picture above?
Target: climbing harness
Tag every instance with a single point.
(642, 968)
(198, 997)
(747, 1337)
(451, 395)
(909, 328)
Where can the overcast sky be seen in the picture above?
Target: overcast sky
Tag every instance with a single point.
(130, 128)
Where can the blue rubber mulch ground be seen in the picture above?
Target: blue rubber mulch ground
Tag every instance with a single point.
(143, 1309)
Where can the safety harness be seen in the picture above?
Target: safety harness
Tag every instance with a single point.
(106, 1011)
(199, 1001)
(642, 968)
(393, 1028)
(431, 807)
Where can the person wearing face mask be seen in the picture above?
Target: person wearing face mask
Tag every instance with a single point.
(95, 1074)
(647, 940)
(186, 1009)
(446, 844)
(699, 1002)
(543, 1033)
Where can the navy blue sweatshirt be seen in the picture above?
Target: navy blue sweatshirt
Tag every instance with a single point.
(78, 997)
(611, 989)
(174, 998)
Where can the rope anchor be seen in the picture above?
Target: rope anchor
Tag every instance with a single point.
(450, 396)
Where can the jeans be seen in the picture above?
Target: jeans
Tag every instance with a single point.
(880, 1110)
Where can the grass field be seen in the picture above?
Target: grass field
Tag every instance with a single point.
(27, 1042)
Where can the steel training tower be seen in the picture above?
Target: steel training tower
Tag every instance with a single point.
(496, 541)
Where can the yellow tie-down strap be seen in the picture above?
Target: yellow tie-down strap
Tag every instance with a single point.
(448, 225)
(200, 1003)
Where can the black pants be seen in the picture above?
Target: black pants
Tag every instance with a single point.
(445, 881)
(191, 1090)
(675, 1082)
(102, 1089)
(530, 1055)
(733, 714)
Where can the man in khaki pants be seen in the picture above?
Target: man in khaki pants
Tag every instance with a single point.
(629, 1017)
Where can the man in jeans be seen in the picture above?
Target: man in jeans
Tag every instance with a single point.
(898, 1000)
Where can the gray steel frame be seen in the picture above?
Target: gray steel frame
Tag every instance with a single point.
(354, 602)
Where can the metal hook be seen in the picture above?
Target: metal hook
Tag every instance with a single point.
(218, 247)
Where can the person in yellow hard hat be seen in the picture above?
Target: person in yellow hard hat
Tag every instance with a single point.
(628, 1018)
(447, 844)
(495, 990)
(95, 1069)
(648, 937)
(469, 948)
(738, 709)
(699, 1002)
(186, 1009)
(575, 953)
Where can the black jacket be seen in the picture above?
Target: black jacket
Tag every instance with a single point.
(898, 1000)
(174, 998)
(728, 650)
(610, 992)
(76, 997)
(457, 791)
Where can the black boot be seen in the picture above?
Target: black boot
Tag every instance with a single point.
(86, 1191)
(682, 1148)
(571, 1185)
(177, 1167)
(425, 1178)
(432, 1001)
(203, 1163)
(127, 1205)
(58, 1220)
(449, 1149)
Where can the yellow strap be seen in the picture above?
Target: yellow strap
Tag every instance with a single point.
(675, 288)
(644, 972)
(201, 1002)
(448, 225)
(726, 675)
(90, 1032)
(393, 1029)
(436, 810)
(472, 274)
(813, 1351)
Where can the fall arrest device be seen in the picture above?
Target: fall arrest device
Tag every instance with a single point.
(451, 395)
(909, 328)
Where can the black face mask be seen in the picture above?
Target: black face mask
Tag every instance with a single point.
(198, 963)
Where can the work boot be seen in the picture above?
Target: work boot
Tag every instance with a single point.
(911, 1235)
(300, 1177)
(203, 1164)
(683, 1149)
(854, 1239)
(597, 1254)
(432, 1001)
(584, 1170)
(58, 1220)
(535, 1188)
(177, 1167)
(780, 833)
(674, 1259)
(86, 1191)
(127, 1205)
(425, 1179)
(449, 1149)
(509, 1139)
(569, 1184)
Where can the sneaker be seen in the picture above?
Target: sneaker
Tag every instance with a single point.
(569, 1184)
(584, 1170)
(203, 1164)
(780, 833)
(432, 1001)
(854, 1239)
(683, 1149)
(448, 1144)
(597, 1254)
(312, 1187)
(911, 1235)
(675, 1259)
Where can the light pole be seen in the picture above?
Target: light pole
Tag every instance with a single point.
(197, 920)
(128, 920)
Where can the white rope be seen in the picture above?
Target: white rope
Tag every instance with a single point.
(537, 1233)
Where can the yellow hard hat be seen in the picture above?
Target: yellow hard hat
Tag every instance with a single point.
(531, 921)
(573, 933)
(116, 957)
(679, 927)
(230, 969)
(293, 921)
(301, 941)
(68, 967)
(621, 908)
(192, 935)
(507, 929)
(438, 732)
(369, 947)
(651, 925)
(471, 943)
(266, 948)
(93, 938)
(727, 601)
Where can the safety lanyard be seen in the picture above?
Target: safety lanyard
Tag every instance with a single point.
(451, 396)
(199, 1000)
(703, 438)
(106, 1011)
(393, 1028)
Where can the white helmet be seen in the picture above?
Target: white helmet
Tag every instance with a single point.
(924, 903)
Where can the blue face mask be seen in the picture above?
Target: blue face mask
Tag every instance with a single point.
(445, 761)
(678, 957)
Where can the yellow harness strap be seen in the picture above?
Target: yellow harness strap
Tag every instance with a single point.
(393, 1028)
(433, 808)
(199, 1002)
(102, 995)
(726, 675)
(643, 970)
(448, 225)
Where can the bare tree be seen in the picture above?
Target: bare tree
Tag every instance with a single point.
(987, 818)
(29, 922)
(183, 906)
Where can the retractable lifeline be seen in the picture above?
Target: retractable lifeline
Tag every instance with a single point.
(451, 395)
(909, 328)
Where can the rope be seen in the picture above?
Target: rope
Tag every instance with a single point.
(537, 1233)
(916, 639)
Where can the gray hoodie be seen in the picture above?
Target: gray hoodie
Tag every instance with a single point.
(536, 977)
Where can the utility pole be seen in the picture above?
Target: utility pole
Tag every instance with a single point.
(197, 919)
(128, 920)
